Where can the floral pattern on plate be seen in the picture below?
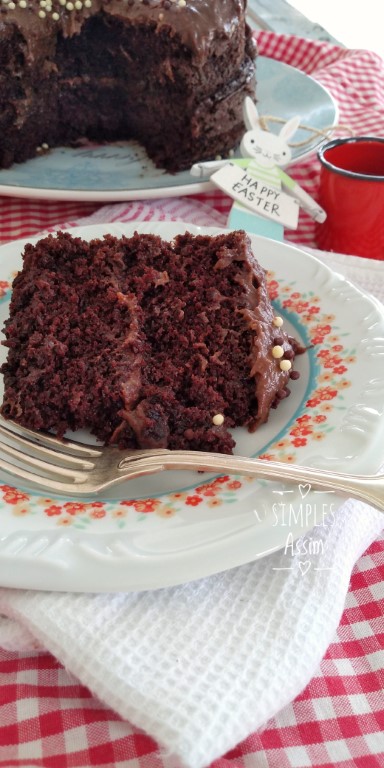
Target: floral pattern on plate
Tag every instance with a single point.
(332, 361)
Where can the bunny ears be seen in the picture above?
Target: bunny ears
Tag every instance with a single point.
(252, 120)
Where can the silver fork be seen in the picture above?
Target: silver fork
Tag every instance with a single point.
(72, 468)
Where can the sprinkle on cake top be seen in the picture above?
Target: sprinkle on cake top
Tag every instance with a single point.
(197, 22)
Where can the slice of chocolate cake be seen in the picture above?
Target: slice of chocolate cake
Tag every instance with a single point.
(143, 342)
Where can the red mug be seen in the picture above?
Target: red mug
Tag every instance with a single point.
(352, 193)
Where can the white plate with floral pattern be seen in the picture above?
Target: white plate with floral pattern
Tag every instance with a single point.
(179, 526)
(123, 171)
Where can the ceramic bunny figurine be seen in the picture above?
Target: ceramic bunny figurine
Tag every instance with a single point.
(266, 198)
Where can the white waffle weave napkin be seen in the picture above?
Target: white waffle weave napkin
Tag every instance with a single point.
(201, 666)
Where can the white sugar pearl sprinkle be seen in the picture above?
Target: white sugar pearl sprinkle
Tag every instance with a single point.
(55, 16)
(23, 3)
(218, 419)
(277, 351)
(69, 6)
(285, 365)
(42, 14)
(78, 5)
(278, 321)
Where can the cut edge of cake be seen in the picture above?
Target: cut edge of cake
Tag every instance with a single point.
(146, 343)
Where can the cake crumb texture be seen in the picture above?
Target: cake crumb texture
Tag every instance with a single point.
(142, 341)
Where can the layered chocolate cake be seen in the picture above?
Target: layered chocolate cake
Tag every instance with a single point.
(171, 74)
(144, 342)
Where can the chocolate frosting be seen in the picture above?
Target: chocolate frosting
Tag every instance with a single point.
(196, 22)
(258, 315)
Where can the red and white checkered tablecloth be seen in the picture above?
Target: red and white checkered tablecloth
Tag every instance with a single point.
(49, 720)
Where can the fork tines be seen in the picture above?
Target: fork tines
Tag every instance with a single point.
(35, 453)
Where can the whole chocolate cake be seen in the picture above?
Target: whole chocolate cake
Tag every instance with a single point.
(144, 342)
(171, 74)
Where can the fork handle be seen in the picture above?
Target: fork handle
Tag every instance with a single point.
(368, 488)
